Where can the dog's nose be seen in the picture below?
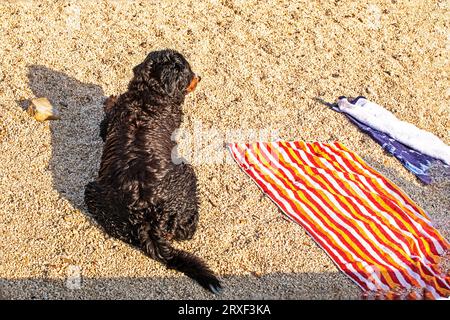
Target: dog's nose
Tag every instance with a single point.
(199, 78)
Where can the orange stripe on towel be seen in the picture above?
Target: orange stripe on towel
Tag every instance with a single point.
(368, 226)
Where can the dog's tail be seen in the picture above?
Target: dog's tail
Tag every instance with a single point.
(158, 247)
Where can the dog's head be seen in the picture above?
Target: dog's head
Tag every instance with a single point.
(165, 73)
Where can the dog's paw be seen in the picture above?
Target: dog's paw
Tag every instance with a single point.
(216, 288)
(211, 283)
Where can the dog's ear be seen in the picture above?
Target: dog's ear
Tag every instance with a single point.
(144, 77)
(138, 78)
(175, 78)
(140, 71)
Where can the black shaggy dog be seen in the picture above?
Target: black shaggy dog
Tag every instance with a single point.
(140, 195)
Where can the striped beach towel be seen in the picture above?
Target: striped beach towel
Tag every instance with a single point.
(368, 226)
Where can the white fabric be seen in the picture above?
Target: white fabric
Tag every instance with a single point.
(376, 117)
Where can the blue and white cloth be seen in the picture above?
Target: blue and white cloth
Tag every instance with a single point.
(367, 115)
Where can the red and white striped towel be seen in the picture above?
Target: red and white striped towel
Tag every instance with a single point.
(370, 228)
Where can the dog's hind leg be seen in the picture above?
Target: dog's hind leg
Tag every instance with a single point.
(180, 205)
(110, 216)
(186, 230)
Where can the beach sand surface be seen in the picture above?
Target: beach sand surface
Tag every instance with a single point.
(262, 64)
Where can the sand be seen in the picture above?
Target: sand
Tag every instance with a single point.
(262, 64)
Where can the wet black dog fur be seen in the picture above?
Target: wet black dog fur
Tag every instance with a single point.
(140, 195)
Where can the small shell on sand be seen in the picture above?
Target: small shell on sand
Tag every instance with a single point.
(41, 109)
